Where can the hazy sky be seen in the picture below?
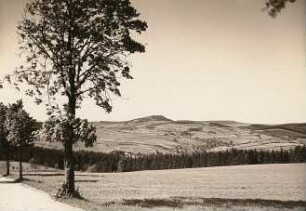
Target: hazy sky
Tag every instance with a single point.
(205, 60)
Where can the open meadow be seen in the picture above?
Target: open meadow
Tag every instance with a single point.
(246, 187)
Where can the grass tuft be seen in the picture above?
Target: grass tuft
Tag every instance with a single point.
(62, 191)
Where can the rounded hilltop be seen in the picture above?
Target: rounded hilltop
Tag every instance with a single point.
(160, 118)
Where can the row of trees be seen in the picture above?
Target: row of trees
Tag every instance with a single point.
(205, 159)
(122, 162)
(17, 131)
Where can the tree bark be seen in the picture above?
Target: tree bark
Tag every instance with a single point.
(20, 163)
(69, 168)
(69, 161)
(68, 150)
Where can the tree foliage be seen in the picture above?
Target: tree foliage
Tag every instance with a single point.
(3, 132)
(76, 49)
(20, 126)
(118, 161)
(4, 144)
(17, 130)
(274, 7)
(58, 129)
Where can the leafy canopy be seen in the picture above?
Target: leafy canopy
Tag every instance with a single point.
(78, 48)
(58, 129)
(3, 131)
(19, 126)
(274, 7)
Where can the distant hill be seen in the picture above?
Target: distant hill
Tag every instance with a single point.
(150, 119)
(158, 133)
(299, 128)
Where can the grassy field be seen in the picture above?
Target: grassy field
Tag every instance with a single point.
(249, 187)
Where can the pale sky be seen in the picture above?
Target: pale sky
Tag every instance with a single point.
(205, 60)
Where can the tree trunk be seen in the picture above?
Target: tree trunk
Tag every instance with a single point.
(68, 151)
(8, 162)
(20, 163)
(69, 168)
(69, 162)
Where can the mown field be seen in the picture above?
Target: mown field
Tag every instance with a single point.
(247, 187)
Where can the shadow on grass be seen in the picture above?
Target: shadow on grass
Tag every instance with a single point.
(44, 175)
(180, 202)
(8, 182)
(50, 174)
(12, 181)
(88, 175)
(86, 180)
(150, 203)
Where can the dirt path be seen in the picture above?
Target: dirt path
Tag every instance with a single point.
(19, 197)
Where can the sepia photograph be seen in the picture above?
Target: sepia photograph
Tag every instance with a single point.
(152, 105)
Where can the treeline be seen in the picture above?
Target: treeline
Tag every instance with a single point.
(119, 161)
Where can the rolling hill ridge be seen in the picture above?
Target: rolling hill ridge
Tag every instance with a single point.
(160, 134)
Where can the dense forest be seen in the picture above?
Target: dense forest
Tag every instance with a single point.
(119, 161)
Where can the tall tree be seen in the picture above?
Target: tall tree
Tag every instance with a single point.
(20, 127)
(4, 144)
(77, 49)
